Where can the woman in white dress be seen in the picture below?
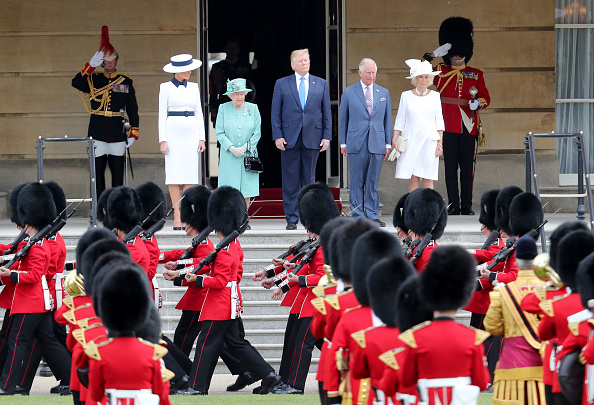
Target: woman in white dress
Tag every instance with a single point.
(420, 122)
(181, 128)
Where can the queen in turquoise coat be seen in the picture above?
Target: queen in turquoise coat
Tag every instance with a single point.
(238, 132)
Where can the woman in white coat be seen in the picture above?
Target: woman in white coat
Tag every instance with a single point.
(420, 122)
(181, 128)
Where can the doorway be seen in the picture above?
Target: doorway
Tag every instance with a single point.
(265, 32)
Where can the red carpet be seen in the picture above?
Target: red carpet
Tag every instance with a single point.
(270, 202)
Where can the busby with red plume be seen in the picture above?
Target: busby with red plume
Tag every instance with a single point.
(109, 52)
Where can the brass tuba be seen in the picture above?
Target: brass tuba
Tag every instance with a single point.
(545, 272)
(74, 284)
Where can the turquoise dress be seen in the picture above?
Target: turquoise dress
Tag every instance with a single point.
(238, 128)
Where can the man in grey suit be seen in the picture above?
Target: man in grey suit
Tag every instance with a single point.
(365, 128)
(301, 128)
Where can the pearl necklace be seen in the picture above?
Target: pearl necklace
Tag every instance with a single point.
(422, 94)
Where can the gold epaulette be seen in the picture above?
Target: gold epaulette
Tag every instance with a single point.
(480, 336)
(320, 290)
(359, 337)
(333, 301)
(162, 343)
(541, 293)
(574, 327)
(159, 352)
(92, 349)
(318, 303)
(352, 309)
(408, 335)
(167, 374)
(79, 336)
(84, 323)
(547, 307)
(69, 302)
(389, 358)
(69, 316)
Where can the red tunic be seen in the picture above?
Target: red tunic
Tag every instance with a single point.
(58, 250)
(309, 276)
(422, 261)
(317, 326)
(7, 293)
(480, 300)
(444, 349)
(152, 247)
(28, 292)
(140, 255)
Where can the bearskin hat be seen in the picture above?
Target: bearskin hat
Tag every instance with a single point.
(316, 208)
(102, 208)
(410, 308)
(502, 203)
(422, 208)
(35, 205)
(227, 211)
(325, 235)
(312, 186)
(487, 213)
(457, 31)
(558, 234)
(123, 297)
(368, 249)
(150, 196)
(14, 212)
(342, 242)
(448, 280)
(383, 280)
(87, 239)
(585, 279)
(194, 206)
(59, 197)
(95, 258)
(151, 330)
(124, 208)
(525, 214)
(575, 246)
(398, 217)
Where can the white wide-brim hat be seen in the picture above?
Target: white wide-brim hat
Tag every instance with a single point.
(419, 67)
(182, 63)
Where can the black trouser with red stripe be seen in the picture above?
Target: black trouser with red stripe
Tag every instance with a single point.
(187, 331)
(297, 348)
(4, 331)
(24, 328)
(213, 335)
(459, 152)
(492, 344)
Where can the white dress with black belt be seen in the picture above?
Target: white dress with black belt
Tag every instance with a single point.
(182, 133)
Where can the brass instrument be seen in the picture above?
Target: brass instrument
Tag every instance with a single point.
(545, 272)
(74, 284)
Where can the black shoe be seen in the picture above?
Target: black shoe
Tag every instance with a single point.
(291, 226)
(256, 391)
(453, 210)
(181, 383)
(2, 392)
(243, 380)
(65, 390)
(284, 389)
(467, 211)
(20, 390)
(191, 391)
(55, 389)
(381, 223)
(269, 382)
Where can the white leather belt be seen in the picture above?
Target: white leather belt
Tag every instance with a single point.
(136, 397)
(443, 382)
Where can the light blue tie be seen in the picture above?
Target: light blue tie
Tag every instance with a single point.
(302, 93)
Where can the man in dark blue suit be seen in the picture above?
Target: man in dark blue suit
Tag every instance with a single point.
(301, 128)
(365, 128)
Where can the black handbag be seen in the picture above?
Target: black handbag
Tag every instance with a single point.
(252, 162)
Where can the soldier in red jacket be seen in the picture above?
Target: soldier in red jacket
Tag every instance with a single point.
(443, 358)
(221, 310)
(32, 300)
(463, 93)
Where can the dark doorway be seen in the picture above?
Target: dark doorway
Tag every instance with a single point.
(271, 29)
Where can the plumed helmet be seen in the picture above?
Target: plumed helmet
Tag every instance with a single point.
(35, 205)
(487, 212)
(343, 240)
(14, 212)
(150, 196)
(102, 215)
(585, 279)
(398, 217)
(94, 258)
(59, 197)
(502, 203)
(384, 279)
(87, 239)
(124, 208)
(326, 234)
(410, 308)
(312, 186)
(123, 297)
(558, 234)
(448, 280)
(109, 52)
(525, 214)
(368, 249)
(575, 246)
(194, 207)
(457, 31)
(316, 208)
(227, 211)
(422, 208)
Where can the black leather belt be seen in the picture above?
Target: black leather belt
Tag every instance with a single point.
(180, 113)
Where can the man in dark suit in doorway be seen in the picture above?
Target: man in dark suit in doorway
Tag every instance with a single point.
(301, 128)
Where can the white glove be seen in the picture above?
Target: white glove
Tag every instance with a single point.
(237, 152)
(474, 104)
(129, 142)
(395, 154)
(97, 59)
(442, 50)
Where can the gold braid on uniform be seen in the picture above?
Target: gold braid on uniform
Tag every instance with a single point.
(100, 95)
(450, 75)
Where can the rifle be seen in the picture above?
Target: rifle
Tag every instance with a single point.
(15, 243)
(313, 248)
(291, 251)
(426, 238)
(411, 248)
(196, 240)
(406, 242)
(493, 236)
(130, 236)
(160, 223)
(278, 279)
(212, 255)
(62, 221)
